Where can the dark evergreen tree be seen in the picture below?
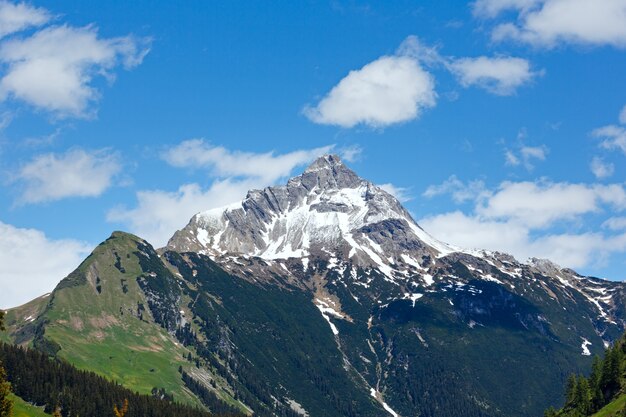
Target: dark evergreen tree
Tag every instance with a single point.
(57, 385)
(6, 405)
(586, 396)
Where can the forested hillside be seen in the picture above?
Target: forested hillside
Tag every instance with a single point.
(54, 384)
(602, 393)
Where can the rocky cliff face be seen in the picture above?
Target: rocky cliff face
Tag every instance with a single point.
(327, 212)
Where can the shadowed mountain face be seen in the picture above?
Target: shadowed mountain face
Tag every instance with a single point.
(323, 297)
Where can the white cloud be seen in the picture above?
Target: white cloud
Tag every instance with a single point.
(522, 218)
(389, 90)
(509, 236)
(492, 8)
(614, 137)
(467, 231)
(460, 191)
(54, 69)
(500, 75)
(615, 223)
(600, 168)
(538, 205)
(15, 17)
(351, 153)
(401, 193)
(510, 158)
(31, 264)
(222, 162)
(526, 156)
(549, 23)
(75, 173)
(622, 116)
(397, 88)
(159, 213)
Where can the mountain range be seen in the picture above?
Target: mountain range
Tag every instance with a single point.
(323, 297)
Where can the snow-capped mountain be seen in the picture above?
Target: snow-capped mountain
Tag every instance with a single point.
(329, 213)
(323, 297)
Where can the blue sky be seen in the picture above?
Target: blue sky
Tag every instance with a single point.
(500, 123)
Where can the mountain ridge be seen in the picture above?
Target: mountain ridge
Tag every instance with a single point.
(376, 318)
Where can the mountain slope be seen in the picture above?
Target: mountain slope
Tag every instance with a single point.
(602, 393)
(323, 297)
(99, 318)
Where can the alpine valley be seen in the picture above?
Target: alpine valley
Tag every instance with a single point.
(323, 297)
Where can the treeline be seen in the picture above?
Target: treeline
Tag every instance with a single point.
(57, 385)
(586, 395)
(208, 397)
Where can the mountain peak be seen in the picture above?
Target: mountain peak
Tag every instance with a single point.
(326, 212)
(326, 172)
(328, 161)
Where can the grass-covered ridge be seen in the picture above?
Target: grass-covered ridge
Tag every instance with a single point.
(99, 319)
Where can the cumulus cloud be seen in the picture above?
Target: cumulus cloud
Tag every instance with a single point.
(389, 90)
(222, 162)
(15, 17)
(549, 23)
(499, 75)
(159, 213)
(521, 218)
(75, 173)
(600, 168)
(540, 204)
(32, 264)
(398, 88)
(54, 68)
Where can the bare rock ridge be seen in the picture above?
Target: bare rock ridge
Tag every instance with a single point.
(327, 212)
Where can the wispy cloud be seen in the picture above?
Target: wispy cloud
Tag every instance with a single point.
(22, 278)
(75, 173)
(600, 168)
(15, 17)
(403, 194)
(519, 218)
(54, 68)
(550, 23)
(499, 75)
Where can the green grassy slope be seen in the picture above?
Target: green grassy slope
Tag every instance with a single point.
(98, 319)
(93, 320)
(613, 409)
(23, 409)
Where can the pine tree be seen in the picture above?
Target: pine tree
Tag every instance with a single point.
(597, 398)
(583, 396)
(550, 412)
(570, 391)
(6, 405)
